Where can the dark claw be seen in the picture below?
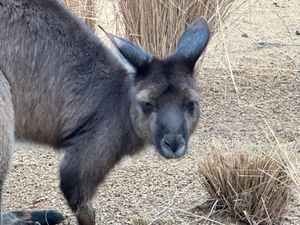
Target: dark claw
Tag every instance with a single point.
(47, 217)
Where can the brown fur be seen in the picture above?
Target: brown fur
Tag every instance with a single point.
(6, 129)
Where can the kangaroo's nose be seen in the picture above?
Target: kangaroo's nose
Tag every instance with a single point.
(173, 145)
(172, 142)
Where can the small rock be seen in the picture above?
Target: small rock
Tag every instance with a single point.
(297, 32)
(278, 3)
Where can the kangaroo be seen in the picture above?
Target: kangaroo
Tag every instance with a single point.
(60, 86)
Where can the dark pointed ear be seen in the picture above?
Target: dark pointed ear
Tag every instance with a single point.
(193, 42)
(131, 52)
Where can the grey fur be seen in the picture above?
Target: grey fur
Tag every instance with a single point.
(60, 86)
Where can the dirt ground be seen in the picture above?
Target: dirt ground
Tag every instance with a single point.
(250, 82)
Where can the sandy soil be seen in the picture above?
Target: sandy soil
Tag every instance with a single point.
(250, 80)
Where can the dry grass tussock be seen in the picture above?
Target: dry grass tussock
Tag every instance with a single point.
(157, 25)
(253, 186)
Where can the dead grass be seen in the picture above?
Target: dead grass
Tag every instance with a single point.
(253, 186)
(86, 9)
(157, 25)
(140, 221)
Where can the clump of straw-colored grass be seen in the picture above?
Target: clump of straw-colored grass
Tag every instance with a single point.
(156, 25)
(251, 186)
(140, 221)
(86, 9)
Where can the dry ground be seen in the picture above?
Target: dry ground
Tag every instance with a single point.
(250, 79)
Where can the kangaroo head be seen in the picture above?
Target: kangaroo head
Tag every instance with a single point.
(164, 106)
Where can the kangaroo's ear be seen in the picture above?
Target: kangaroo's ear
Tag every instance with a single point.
(131, 52)
(193, 42)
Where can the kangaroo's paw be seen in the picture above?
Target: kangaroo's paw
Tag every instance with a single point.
(46, 217)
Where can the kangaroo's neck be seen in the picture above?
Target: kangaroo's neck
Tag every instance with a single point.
(107, 120)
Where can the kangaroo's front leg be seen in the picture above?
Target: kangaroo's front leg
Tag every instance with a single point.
(78, 190)
(81, 172)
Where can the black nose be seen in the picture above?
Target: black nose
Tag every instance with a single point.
(173, 142)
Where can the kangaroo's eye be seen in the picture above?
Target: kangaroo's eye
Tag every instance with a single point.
(146, 107)
(190, 107)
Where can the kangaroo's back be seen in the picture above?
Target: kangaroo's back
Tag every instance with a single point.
(49, 56)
